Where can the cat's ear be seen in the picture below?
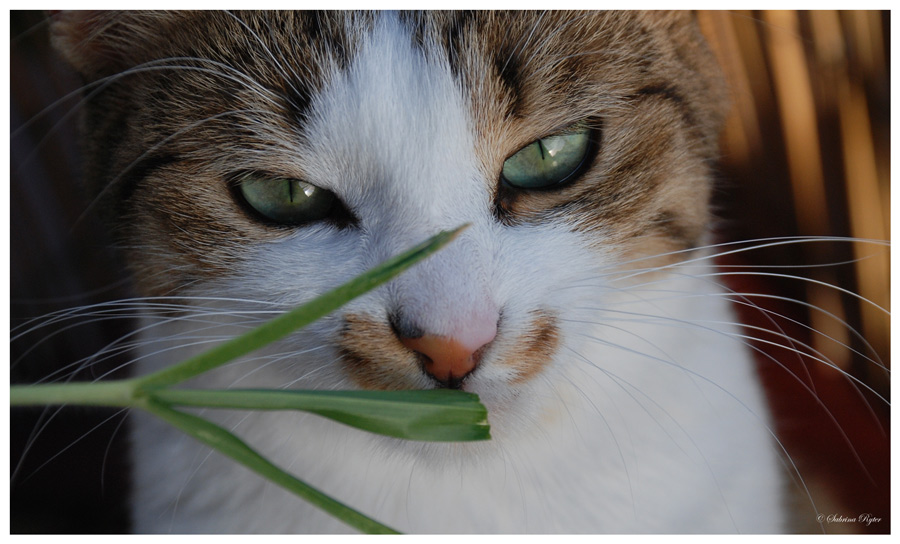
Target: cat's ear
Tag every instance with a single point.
(98, 43)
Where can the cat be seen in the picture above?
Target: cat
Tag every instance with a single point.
(580, 304)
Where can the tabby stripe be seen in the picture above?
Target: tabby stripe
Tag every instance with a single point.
(670, 223)
(670, 93)
(328, 39)
(132, 177)
(456, 35)
(508, 72)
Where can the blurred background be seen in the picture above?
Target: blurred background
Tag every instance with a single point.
(67, 466)
(805, 153)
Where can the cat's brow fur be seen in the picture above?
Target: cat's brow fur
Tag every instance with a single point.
(606, 417)
(524, 76)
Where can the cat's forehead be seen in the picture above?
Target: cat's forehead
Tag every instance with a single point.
(522, 75)
(393, 123)
(534, 62)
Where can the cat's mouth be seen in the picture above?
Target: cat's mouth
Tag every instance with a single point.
(380, 355)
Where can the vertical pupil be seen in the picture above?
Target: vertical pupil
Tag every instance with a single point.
(547, 161)
(286, 200)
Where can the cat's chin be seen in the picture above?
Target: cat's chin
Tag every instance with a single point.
(513, 409)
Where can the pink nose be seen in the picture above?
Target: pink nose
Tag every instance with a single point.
(447, 359)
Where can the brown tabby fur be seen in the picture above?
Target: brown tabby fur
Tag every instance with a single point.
(164, 135)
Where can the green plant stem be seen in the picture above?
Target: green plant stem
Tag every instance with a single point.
(124, 392)
(107, 393)
(230, 445)
(299, 317)
(421, 415)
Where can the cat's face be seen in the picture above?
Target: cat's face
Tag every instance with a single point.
(204, 130)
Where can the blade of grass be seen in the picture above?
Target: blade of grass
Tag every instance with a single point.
(437, 415)
(289, 322)
(230, 445)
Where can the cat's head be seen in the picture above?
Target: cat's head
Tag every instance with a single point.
(273, 156)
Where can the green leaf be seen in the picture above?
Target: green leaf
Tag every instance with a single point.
(438, 415)
(299, 317)
(232, 446)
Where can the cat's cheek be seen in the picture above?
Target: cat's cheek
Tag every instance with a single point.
(372, 357)
(529, 349)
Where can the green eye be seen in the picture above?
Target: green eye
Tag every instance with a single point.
(288, 201)
(549, 161)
